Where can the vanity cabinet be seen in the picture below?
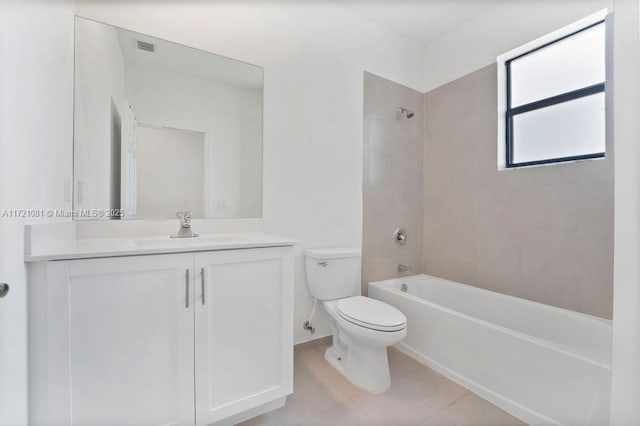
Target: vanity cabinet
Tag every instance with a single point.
(243, 333)
(171, 339)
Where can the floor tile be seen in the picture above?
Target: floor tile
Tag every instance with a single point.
(438, 419)
(313, 369)
(418, 396)
(401, 365)
(343, 413)
(471, 410)
(429, 387)
(311, 398)
(317, 385)
(281, 417)
(388, 408)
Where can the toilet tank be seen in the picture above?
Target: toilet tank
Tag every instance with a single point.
(333, 273)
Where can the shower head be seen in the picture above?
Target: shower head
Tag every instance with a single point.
(406, 112)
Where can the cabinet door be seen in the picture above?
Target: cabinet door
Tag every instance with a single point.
(244, 330)
(124, 341)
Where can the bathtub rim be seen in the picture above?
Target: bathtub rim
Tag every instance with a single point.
(384, 285)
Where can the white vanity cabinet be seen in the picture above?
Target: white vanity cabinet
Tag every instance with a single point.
(244, 332)
(167, 339)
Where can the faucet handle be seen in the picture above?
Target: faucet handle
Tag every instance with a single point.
(185, 218)
(185, 226)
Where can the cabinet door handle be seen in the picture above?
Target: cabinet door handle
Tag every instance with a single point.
(186, 288)
(202, 284)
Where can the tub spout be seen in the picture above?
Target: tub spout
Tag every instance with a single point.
(404, 268)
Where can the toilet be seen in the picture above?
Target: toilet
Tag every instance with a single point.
(362, 328)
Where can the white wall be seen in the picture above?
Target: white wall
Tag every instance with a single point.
(99, 79)
(314, 55)
(36, 129)
(497, 30)
(625, 386)
(229, 116)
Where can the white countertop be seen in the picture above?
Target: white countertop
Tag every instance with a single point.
(112, 247)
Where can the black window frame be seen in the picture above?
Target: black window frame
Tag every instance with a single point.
(544, 103)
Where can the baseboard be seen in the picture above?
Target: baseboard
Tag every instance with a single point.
(517, 410)
(320, 341)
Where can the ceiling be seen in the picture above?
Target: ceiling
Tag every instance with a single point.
(421, 21)
(187, 60)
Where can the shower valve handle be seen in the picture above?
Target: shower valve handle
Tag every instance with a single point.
(400, 237)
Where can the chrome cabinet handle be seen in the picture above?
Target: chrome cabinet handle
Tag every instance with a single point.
(186, 286)
(202, 284)
(4, 289)
(323, 264)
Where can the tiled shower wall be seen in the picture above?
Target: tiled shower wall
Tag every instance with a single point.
(393, 178)
(540, 233)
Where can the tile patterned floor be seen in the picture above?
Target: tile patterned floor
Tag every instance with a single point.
(418, 396)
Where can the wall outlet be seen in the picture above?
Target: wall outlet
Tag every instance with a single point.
(221, 204)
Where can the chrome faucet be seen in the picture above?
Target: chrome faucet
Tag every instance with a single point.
(404, 268)
(185, 226)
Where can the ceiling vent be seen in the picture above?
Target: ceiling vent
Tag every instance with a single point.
(149, 47)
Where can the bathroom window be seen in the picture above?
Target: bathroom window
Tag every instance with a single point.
(555, 99)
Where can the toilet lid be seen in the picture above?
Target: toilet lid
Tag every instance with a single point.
(371, 313)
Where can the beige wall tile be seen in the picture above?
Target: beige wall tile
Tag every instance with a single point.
(393, 179)
(540, 233)
(522, 232)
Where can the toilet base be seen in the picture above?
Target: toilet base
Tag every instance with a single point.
(334, 359)
(366, 368)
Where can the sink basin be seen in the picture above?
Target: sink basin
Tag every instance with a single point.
(207, 239)
(195, 241)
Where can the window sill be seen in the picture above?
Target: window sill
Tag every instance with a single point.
(503, 167)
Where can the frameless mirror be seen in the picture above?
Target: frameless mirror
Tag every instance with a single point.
(160, 127)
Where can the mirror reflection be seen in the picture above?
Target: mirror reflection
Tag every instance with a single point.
(160, 128)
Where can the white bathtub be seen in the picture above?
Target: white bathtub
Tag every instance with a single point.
(543, 364)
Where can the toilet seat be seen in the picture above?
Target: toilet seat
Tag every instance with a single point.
(370, 313)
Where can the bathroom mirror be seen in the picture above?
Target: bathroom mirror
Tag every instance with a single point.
(160, 127)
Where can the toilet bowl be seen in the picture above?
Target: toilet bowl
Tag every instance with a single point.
(360, 341)
(362, 328)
